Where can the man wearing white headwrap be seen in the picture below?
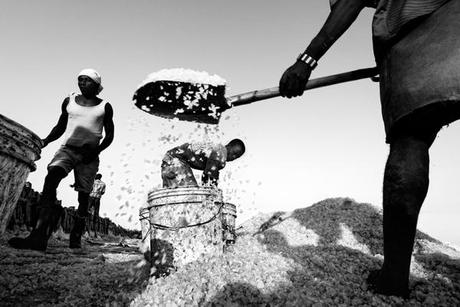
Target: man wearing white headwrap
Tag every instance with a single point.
(84, 117)
(94, 75)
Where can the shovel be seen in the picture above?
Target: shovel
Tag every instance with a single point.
(204, 103)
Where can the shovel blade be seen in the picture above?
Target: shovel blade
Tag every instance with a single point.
(195, 102)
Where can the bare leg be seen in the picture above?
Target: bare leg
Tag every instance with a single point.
(404, 190)
(97, 203)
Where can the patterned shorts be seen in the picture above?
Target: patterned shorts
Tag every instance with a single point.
(176, 173)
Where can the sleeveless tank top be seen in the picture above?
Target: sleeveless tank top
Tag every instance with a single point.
(85, 123)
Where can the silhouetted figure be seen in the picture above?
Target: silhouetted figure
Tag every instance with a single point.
(417, 49)
(95, 200)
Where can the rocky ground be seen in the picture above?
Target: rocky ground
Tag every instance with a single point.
(315, 256)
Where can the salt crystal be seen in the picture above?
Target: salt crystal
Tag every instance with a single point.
(184, 75)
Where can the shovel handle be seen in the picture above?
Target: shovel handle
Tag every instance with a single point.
(247, 98)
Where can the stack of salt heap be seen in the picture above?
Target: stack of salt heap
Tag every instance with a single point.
(319, 255)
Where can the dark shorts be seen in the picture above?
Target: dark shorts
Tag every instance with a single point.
(70, 159)
(420, 75)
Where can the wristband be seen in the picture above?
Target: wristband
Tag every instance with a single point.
(307, 60)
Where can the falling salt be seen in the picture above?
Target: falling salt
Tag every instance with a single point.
(178, 91)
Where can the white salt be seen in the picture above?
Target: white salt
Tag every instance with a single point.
(184, 75)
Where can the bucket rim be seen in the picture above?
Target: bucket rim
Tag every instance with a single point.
(35, 138)
(158, 193)
(229, 208)
(176, 228)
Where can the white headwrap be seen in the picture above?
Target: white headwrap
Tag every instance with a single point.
(94, 75)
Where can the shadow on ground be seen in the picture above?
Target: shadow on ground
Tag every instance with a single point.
(98, 275)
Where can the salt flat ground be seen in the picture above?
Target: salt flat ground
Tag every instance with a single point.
(314, 256)
(100, 273)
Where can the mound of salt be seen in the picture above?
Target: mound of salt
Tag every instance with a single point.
(321, 255)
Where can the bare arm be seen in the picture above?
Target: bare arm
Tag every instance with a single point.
(211, 173)
(61, 125)
(341, 17)
(92, 153)
(109, 128)
(343, 14)
(214, 163)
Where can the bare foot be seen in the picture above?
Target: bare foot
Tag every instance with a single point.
(377, 283)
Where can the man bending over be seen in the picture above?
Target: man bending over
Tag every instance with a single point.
(176, 169)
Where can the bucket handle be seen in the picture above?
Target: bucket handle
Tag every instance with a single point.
(163, 227)
(147, 234)
(144, 216)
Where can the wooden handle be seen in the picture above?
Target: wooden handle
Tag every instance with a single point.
(247, 98)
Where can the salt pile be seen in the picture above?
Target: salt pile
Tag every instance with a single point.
(319, 255)
(184, 75)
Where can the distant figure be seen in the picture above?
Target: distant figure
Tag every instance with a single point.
(25, 203)
(27, 199)
(95, 200)
(176, 169)
(27, 189)
(84, 117)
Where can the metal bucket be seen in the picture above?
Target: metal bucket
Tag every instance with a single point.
(228, 223)
(185, 225)
(19, 148)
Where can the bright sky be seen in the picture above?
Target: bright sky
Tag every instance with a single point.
(328, 143)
